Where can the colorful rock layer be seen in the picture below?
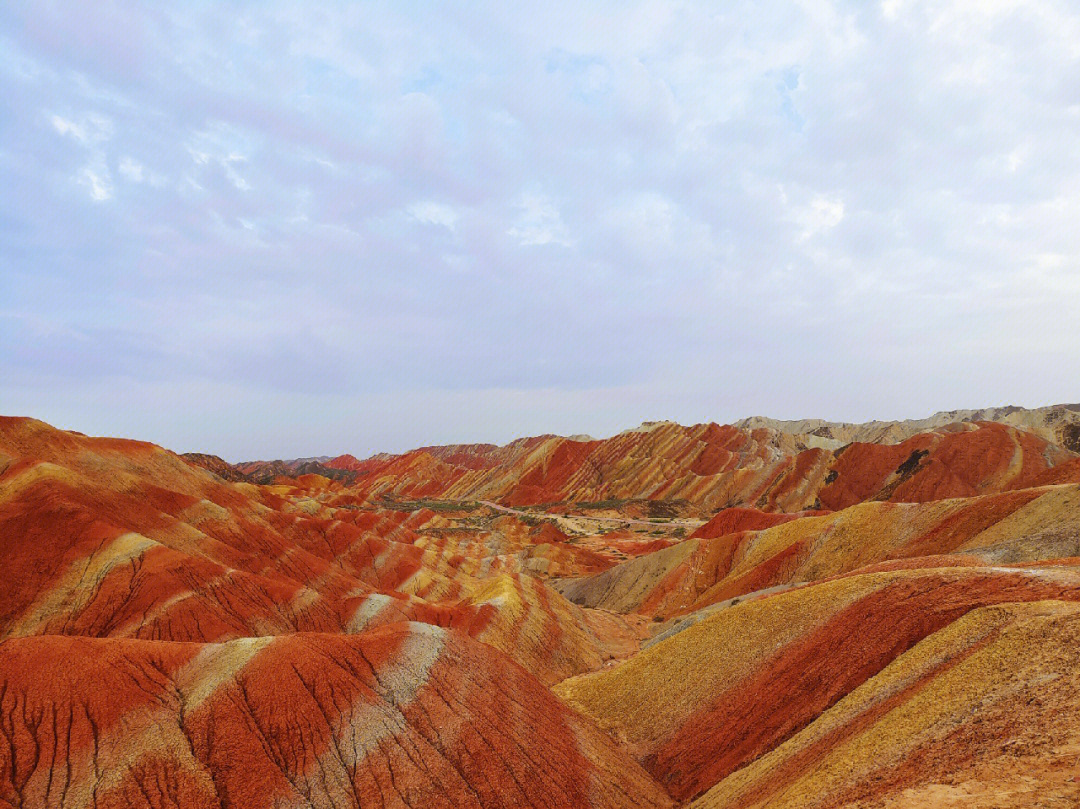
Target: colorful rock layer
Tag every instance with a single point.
(866, 615)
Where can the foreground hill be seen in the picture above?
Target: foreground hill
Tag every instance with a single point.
(717, 696)
(707, 616)
(981, 713)
(405, 715)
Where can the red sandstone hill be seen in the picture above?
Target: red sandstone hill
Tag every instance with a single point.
(406, 715)
(716, 467)
(884, 623)
(264, 472)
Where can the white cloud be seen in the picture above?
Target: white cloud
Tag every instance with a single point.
(229, 164)
(1018, 157)
(91, 132)
(434, 213)
(540, 222)
(967, 14)
(90, 129)
(132, 170)
(225, 146)
(822, 214)
(98, 181)
(799, 164)
(892, 9)
(66, 127)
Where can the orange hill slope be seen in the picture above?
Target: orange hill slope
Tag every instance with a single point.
(105, 543)
(407, 715)
(1014, 527)
(714, 698)
(714, 467)
(980, 714)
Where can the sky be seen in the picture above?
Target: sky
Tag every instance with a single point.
(287, 229)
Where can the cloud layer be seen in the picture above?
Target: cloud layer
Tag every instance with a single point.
(276, 229)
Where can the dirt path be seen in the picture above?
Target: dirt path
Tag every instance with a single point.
(692, 524)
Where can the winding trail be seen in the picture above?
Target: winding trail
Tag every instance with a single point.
(692, 524)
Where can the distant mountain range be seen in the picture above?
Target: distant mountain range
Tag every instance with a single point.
(789, 466)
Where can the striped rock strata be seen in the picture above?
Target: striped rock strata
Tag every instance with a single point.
(714, 467)
(728, 690)
(408, 715)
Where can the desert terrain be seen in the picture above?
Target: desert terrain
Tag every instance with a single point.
(762, 614)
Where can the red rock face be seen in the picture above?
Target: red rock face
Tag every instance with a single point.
(409, 715)
(716, 467)
(734, 520)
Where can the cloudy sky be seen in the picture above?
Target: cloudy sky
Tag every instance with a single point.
(276, 229)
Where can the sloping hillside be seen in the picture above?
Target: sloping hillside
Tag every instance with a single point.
(1025, 526)
(406, 715)
(727, 690)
